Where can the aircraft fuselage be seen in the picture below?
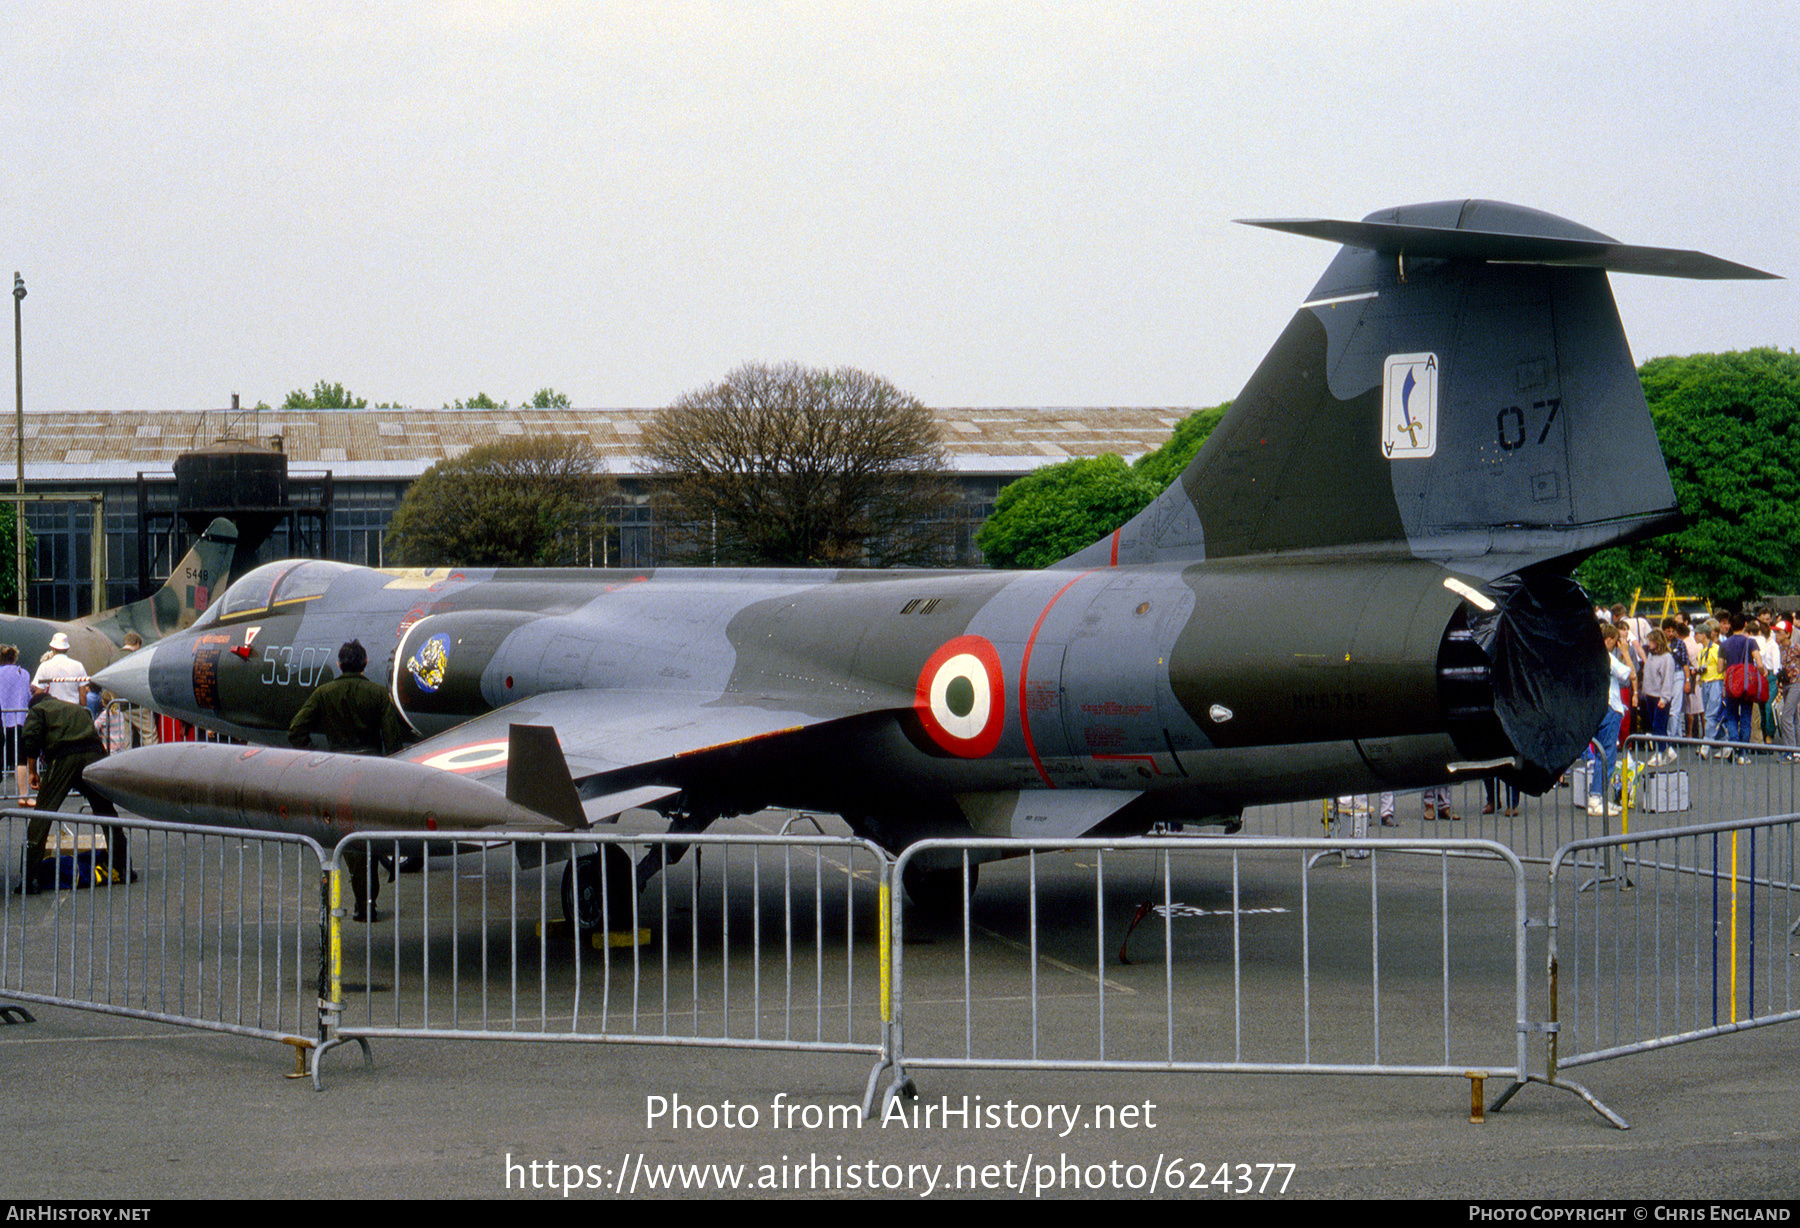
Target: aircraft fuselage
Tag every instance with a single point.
(1203, 687)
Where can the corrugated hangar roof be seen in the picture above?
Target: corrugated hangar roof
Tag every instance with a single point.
(401, 443)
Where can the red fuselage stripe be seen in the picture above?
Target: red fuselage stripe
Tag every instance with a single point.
(1025, 675)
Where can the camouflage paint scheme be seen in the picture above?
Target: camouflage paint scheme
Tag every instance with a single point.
(1360, 583)
(95, 640)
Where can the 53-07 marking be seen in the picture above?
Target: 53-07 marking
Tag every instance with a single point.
(281, 668)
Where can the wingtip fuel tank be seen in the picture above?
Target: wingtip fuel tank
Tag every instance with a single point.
(311, 793)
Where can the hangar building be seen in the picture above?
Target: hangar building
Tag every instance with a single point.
(346, 471)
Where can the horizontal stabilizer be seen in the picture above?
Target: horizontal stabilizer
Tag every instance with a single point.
(1435, 242)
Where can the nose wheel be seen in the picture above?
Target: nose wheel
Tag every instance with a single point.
(598, 890)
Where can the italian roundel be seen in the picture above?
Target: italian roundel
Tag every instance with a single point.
(959, 697)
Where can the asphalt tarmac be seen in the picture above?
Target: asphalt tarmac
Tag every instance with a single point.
(108, 1107)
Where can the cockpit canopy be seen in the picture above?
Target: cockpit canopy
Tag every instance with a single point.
(274, 587)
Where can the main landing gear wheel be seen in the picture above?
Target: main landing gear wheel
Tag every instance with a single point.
(938, 891)
(606, 880)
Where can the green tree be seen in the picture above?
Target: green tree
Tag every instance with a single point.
(535, 500)
(1052, 512)
(1165, 464)
(480, 400)
(9, 568)
(789, 465)
(324, 396)
(543, 398)
(1729, 425)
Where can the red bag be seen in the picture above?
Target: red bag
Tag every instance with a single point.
(1746, 682)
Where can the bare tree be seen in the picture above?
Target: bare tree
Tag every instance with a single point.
(534, 500)
(790, 466)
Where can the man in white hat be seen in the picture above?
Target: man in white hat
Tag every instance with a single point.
(60, 675)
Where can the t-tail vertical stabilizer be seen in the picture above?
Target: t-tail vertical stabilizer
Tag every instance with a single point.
(1457, 388)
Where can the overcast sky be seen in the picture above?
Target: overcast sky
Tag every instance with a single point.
(988, 203)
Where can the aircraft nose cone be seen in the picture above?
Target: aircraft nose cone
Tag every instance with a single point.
(129, 677)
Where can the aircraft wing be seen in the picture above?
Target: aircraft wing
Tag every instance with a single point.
(624, 748)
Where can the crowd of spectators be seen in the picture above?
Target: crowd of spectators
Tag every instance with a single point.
(1727, 680)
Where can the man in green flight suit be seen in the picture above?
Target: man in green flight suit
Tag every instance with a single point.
(64, 734)
(356, 717)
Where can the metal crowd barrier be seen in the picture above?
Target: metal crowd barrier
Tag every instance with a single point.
(1685, 781)
(741, 941)
(209, 928)
(1660, 938)
(124, 725)
(1360, 977)
(1222, 954)
(1757, 779)
(1536, 827)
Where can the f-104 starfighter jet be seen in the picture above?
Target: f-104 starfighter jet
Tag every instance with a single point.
(1362, 582)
